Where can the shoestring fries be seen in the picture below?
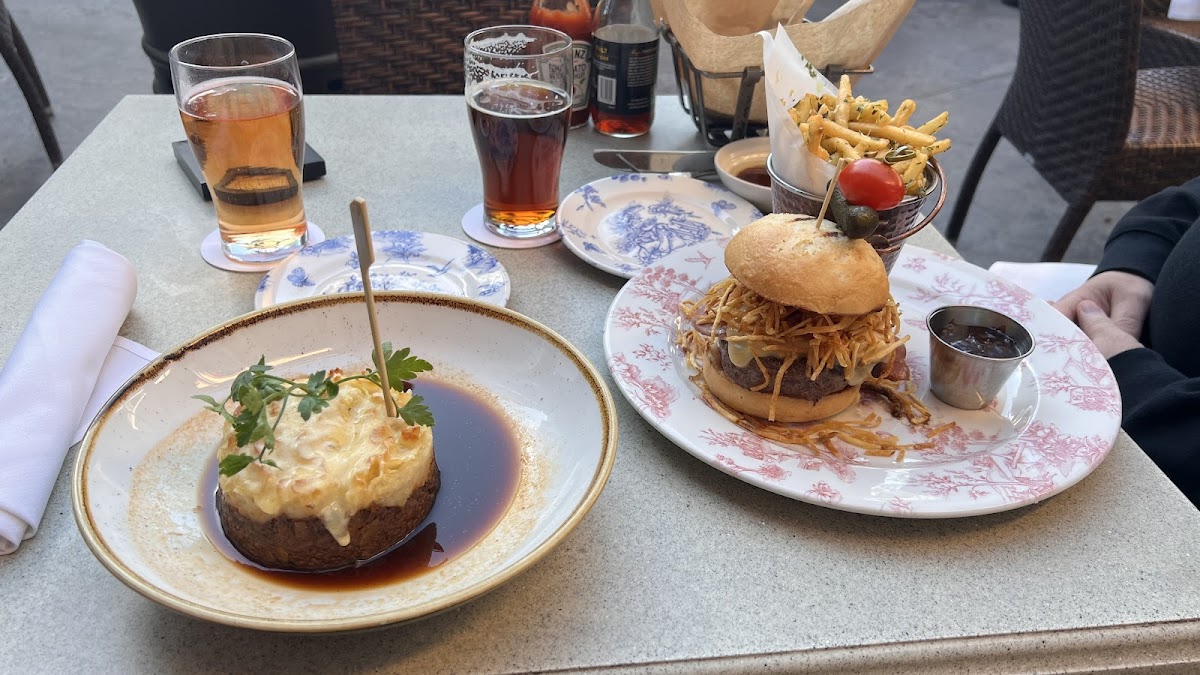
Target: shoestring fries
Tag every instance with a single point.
(853, 127)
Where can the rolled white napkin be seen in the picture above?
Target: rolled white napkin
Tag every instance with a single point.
(124, 360)
(49, 377)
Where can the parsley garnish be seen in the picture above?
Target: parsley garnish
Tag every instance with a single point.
(255, 390)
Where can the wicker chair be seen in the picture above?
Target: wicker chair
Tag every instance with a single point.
(1165, 42)
(20, 62)
(412, 46)
(1095, 126)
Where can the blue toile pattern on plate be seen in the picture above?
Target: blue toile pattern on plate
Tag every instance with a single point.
(650, 231)
(626, 222)
(401, 245)
(329, 246)
(590, 198)
(299, 278)
(384, 282)
(404, 261)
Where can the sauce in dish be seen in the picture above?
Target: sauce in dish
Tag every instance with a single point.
(755, 174)
(479, 458)
(985, 341)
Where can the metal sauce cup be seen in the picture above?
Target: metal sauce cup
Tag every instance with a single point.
(966, 380)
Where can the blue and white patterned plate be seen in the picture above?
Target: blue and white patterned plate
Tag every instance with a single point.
(624, 223)
(404, 261)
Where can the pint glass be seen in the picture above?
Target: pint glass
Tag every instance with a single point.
(518, 89)
(240, 99)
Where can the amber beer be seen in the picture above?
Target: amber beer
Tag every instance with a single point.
(520, 129)
(248, 135)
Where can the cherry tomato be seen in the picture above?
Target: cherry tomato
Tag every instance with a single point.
(872, 183)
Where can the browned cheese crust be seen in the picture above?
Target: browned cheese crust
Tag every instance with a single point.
(790, 260)
(306, 545)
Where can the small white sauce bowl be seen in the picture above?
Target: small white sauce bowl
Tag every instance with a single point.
(738, 156)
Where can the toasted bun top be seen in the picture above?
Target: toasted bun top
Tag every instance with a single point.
(792, 260)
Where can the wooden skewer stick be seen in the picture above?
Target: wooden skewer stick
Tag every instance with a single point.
(366, 256)
(829, 192)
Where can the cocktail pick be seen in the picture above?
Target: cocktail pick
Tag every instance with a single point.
(829, 191)
(366, 256)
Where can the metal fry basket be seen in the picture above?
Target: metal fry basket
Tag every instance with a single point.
(719, 128)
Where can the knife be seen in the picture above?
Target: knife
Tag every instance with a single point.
(697, 163)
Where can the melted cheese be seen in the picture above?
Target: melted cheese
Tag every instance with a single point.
(343, 459)
(742, 353)
(860, 374)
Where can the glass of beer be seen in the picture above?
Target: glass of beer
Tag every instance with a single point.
(518, 88)
(241, 101)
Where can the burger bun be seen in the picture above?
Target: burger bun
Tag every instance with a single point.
(795, 261)
(787, 409)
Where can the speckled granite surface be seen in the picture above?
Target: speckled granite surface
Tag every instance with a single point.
(676, 561)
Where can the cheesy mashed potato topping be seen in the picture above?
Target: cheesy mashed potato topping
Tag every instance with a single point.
(343, 459)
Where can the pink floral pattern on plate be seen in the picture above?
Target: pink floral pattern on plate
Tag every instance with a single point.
(1053, 424)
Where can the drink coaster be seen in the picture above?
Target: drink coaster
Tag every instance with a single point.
(473, 225)
(210, 250)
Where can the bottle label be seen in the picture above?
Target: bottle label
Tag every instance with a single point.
(551, 70)
(623, 76)
(581, 53)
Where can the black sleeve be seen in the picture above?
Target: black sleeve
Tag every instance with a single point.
(1144, 237)
(1160, 414)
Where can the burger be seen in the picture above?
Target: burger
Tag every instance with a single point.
(803, 322)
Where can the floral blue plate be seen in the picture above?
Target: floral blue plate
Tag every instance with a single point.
(624, 223)
(404, 261)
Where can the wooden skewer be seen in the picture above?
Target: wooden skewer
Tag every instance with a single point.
(366, 256)
(832, 186)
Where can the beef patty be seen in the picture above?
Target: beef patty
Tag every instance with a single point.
(306, 545)
(796, 382)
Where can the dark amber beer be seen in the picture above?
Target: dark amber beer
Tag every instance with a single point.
(520, 129)
(518, 91)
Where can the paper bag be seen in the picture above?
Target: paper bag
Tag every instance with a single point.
(850, 37)
(788, 77)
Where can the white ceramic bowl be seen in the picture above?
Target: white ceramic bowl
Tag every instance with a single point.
(738, 156)
(136, 484)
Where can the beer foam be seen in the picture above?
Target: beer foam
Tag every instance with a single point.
(517, 105)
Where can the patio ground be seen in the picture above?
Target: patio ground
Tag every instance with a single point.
(955, 55)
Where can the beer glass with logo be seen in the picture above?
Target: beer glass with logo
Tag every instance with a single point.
(518, 89)
(241, 101)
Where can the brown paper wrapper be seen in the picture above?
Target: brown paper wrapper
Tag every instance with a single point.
(851, 37)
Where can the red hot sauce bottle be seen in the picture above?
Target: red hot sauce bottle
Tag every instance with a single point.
(573, 17)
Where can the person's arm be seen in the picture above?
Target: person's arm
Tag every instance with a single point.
(1162, 414)
(1144, 237)
(1133, 256)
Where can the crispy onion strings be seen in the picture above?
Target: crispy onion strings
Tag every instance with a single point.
(820, 341)
(854, 343)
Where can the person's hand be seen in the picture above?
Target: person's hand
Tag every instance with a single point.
(1104, 331)
(1121, 297)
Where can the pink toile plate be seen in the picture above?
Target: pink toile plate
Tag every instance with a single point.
(1053, 423)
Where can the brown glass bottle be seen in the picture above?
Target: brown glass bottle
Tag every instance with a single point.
(624, 68)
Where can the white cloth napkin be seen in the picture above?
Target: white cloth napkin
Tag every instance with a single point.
(49, 377)
(1048, 281)
(1184, 10)
(123, 361)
